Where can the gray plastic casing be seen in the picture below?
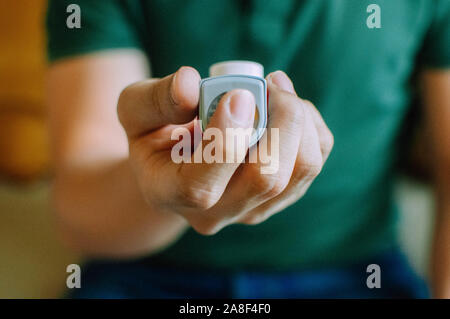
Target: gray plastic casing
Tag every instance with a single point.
(212, 87)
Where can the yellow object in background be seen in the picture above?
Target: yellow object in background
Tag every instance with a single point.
(32, 258)
(23, 144)
(23, 133)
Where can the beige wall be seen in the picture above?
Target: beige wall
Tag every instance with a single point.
(32, 259)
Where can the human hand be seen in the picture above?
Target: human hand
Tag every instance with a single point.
(213, 195)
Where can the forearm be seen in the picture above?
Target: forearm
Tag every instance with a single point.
(437, 106)
(97, 201)
(101, 212)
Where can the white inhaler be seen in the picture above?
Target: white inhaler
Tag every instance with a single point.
(229, 75)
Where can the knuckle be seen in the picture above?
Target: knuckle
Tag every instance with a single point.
(308, 103)
(308, 169)
(310, 106)
(278, 187)
(315, 170)
(291, 108)
(206, 228)
(254, 220)
(328, 142)
(269, 186)
(312, 169)
(191, 196)
(298, 176)
(297, 114)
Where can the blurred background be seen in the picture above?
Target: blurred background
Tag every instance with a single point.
(32, 259)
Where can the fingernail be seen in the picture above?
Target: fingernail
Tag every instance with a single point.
(241, 104)
(282, 81)
(185, 85)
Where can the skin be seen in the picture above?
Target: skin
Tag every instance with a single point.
(436, 94)
(116, 191)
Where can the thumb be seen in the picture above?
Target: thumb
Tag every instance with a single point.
(233, 117)
(150, 104)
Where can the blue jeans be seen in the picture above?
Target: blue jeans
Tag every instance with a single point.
(140, 280)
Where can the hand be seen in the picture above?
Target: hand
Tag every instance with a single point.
(212, 196)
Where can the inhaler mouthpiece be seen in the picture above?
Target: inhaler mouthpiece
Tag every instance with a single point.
(237, 68)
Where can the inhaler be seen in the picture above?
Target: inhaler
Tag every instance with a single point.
(229, 75)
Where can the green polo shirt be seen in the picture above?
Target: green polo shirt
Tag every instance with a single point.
(358, 77)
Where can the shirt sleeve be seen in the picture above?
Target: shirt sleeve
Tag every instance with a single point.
(104, 25)
(436, 49)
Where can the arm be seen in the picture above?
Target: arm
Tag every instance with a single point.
(121, 195)
(99, 207)
(437, 104)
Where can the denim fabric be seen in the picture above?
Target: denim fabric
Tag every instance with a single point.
(140, 280)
